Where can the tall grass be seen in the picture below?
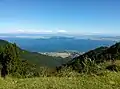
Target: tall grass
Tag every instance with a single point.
(111, 80)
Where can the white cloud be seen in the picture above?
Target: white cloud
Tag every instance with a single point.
(20, 31)
(37, 31)
(30, 31)
(61, 31)
(34, 31)
(58, 31)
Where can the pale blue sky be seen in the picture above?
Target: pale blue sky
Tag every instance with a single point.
(65, 16)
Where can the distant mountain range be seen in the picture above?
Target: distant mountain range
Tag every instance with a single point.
(47, 36)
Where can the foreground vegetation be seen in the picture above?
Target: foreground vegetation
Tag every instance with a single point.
(110, 80)
(96, 69)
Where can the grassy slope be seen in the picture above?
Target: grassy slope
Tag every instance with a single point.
(42, 60)
(110, 80)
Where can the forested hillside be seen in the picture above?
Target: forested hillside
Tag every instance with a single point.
(39, 59)
(96, 56)
(17, 62)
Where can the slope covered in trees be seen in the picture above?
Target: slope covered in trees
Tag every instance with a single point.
(12, 65)
(39, 59)
(98, 55)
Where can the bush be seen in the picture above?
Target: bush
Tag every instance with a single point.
(66, 72)
(114, 67)
(90, 67)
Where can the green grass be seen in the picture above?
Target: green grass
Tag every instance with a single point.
(110, 80)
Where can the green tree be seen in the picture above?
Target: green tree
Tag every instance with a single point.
(9, 59)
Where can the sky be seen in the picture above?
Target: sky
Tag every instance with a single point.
(60, 16)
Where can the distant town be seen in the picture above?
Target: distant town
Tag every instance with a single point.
(63, 54)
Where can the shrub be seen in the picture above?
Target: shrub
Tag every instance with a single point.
(90, 66)
(66, 72)
(114, 67)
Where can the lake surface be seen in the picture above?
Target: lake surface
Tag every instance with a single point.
(58, 44)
